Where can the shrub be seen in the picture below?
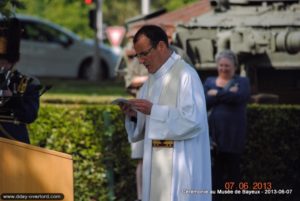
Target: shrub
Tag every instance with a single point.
(95, 137)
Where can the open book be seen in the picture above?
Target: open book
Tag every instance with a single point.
(120, 101)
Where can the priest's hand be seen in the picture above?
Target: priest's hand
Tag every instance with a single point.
(128, 109)
(142, 105)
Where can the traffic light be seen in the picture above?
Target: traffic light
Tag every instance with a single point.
(92, 13)
(88, 2)
(92, 18)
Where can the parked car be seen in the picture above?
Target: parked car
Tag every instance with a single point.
(52, 51)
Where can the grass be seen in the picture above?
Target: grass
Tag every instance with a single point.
(81, 91)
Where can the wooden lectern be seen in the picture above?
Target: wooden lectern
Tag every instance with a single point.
(26, 169)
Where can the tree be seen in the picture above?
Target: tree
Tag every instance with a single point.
(73, 14)
(6, 7)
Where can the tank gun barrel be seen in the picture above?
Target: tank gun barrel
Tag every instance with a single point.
(288, 41)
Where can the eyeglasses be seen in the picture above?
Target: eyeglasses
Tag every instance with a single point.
(144, 53)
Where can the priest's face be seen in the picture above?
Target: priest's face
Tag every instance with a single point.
(147, 55)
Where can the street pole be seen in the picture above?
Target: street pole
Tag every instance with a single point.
(96, 65)
(145, 7)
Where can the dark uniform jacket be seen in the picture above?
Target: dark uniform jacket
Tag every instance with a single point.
(23, 109)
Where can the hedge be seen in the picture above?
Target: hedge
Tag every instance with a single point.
(272, 150)
(95, 137)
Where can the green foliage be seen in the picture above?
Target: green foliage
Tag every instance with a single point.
(65, 129)
(7, 7)
(272, 152)
(73, 14)
(82, 92)
(95, 136)
(172, 5)
(116, 12)
(83, 87)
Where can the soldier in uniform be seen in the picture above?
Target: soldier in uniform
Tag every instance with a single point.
(19, 94)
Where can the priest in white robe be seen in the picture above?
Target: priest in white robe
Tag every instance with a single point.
(170, 115)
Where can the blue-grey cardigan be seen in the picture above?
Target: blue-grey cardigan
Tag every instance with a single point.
(227, 121)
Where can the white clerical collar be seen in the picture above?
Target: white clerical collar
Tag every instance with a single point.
(166, 66)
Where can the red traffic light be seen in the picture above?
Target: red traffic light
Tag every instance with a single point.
(88, 1)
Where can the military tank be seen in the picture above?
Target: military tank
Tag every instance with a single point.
(265, 35)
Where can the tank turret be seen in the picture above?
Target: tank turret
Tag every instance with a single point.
(265, 34)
